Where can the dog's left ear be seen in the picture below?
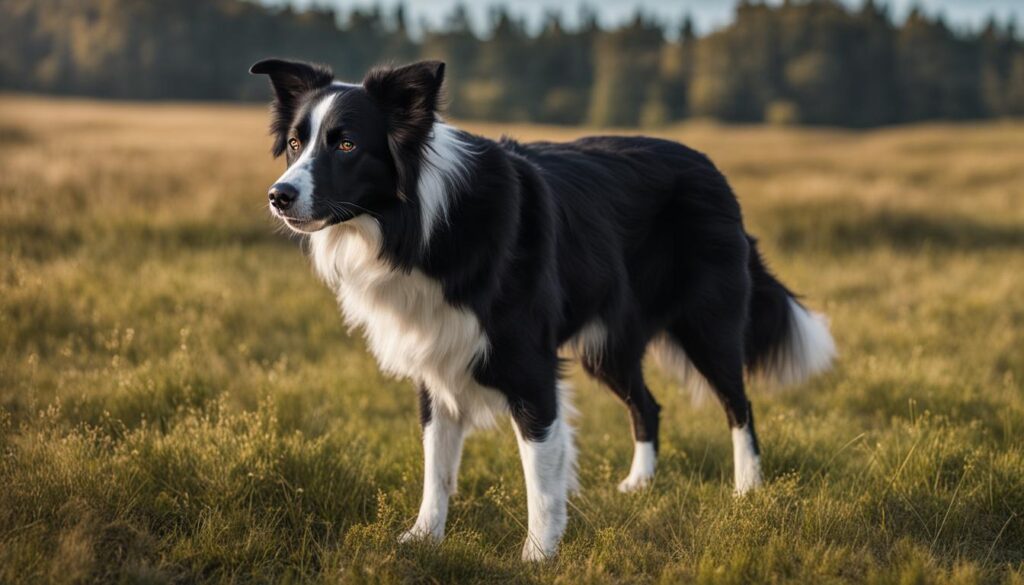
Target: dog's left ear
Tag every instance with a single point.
(410, 96)
(290, 80)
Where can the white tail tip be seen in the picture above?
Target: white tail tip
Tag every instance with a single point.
(809, 350)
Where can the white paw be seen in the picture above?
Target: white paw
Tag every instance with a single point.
(418, 533)
(748, 480)
(746, 462)
(635, 483)
(533, 552)
(641, 472)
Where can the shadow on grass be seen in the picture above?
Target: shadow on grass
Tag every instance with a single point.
(851, 228)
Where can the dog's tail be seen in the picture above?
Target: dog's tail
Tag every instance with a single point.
(785, 342)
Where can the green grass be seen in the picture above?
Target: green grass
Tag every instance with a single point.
(180, 402)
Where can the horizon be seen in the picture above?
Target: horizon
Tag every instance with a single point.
(707, 15)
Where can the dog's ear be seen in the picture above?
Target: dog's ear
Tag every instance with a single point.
(290, 80)
(410, 96)
(410, 87)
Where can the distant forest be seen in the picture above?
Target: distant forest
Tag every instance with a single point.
(798, 62)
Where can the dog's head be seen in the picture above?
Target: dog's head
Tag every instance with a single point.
(351, 149)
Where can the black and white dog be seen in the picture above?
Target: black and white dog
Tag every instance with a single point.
(468, 263)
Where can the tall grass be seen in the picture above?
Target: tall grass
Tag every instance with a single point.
(179, 401)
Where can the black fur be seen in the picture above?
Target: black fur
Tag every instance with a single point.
(409, 97)
(426, 405)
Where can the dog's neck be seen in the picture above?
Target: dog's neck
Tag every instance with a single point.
(444, 170)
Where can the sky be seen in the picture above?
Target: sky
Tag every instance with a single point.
(707, 14)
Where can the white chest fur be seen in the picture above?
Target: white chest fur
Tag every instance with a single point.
(410, 328)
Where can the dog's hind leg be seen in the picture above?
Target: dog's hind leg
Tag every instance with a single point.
(712, 339)
(626, 380)
(443, 435)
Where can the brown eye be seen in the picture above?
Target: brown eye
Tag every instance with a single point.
(347, 146)
(294, 143)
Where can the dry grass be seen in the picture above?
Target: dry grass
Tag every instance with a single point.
(180, 402)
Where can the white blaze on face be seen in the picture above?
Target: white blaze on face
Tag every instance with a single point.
(300, 173)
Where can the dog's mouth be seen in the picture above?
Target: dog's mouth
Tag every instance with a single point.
(304, 225)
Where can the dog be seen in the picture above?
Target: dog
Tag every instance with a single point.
(468, 263)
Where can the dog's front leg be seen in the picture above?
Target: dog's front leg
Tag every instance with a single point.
(548, 454)
(443, 436)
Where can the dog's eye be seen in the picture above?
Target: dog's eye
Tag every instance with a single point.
(346, 146)
(294, 144)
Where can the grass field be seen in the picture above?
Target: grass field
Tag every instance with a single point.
(179, 401)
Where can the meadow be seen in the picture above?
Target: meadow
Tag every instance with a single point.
(181, 403)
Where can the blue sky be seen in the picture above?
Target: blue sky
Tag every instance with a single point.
(708, 14)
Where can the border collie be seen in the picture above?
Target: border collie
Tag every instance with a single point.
(468, 263)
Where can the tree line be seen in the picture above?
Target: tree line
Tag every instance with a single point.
(806, 62)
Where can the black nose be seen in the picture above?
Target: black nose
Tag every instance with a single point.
(282, 195)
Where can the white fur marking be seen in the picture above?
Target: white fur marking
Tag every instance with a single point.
(445, 165)
(410, 328)
(442, 450)
(641, 472)
(589, 342)
(550, 470)
(671, 358)
(300, 173)
(810, 350)
(746, 461)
